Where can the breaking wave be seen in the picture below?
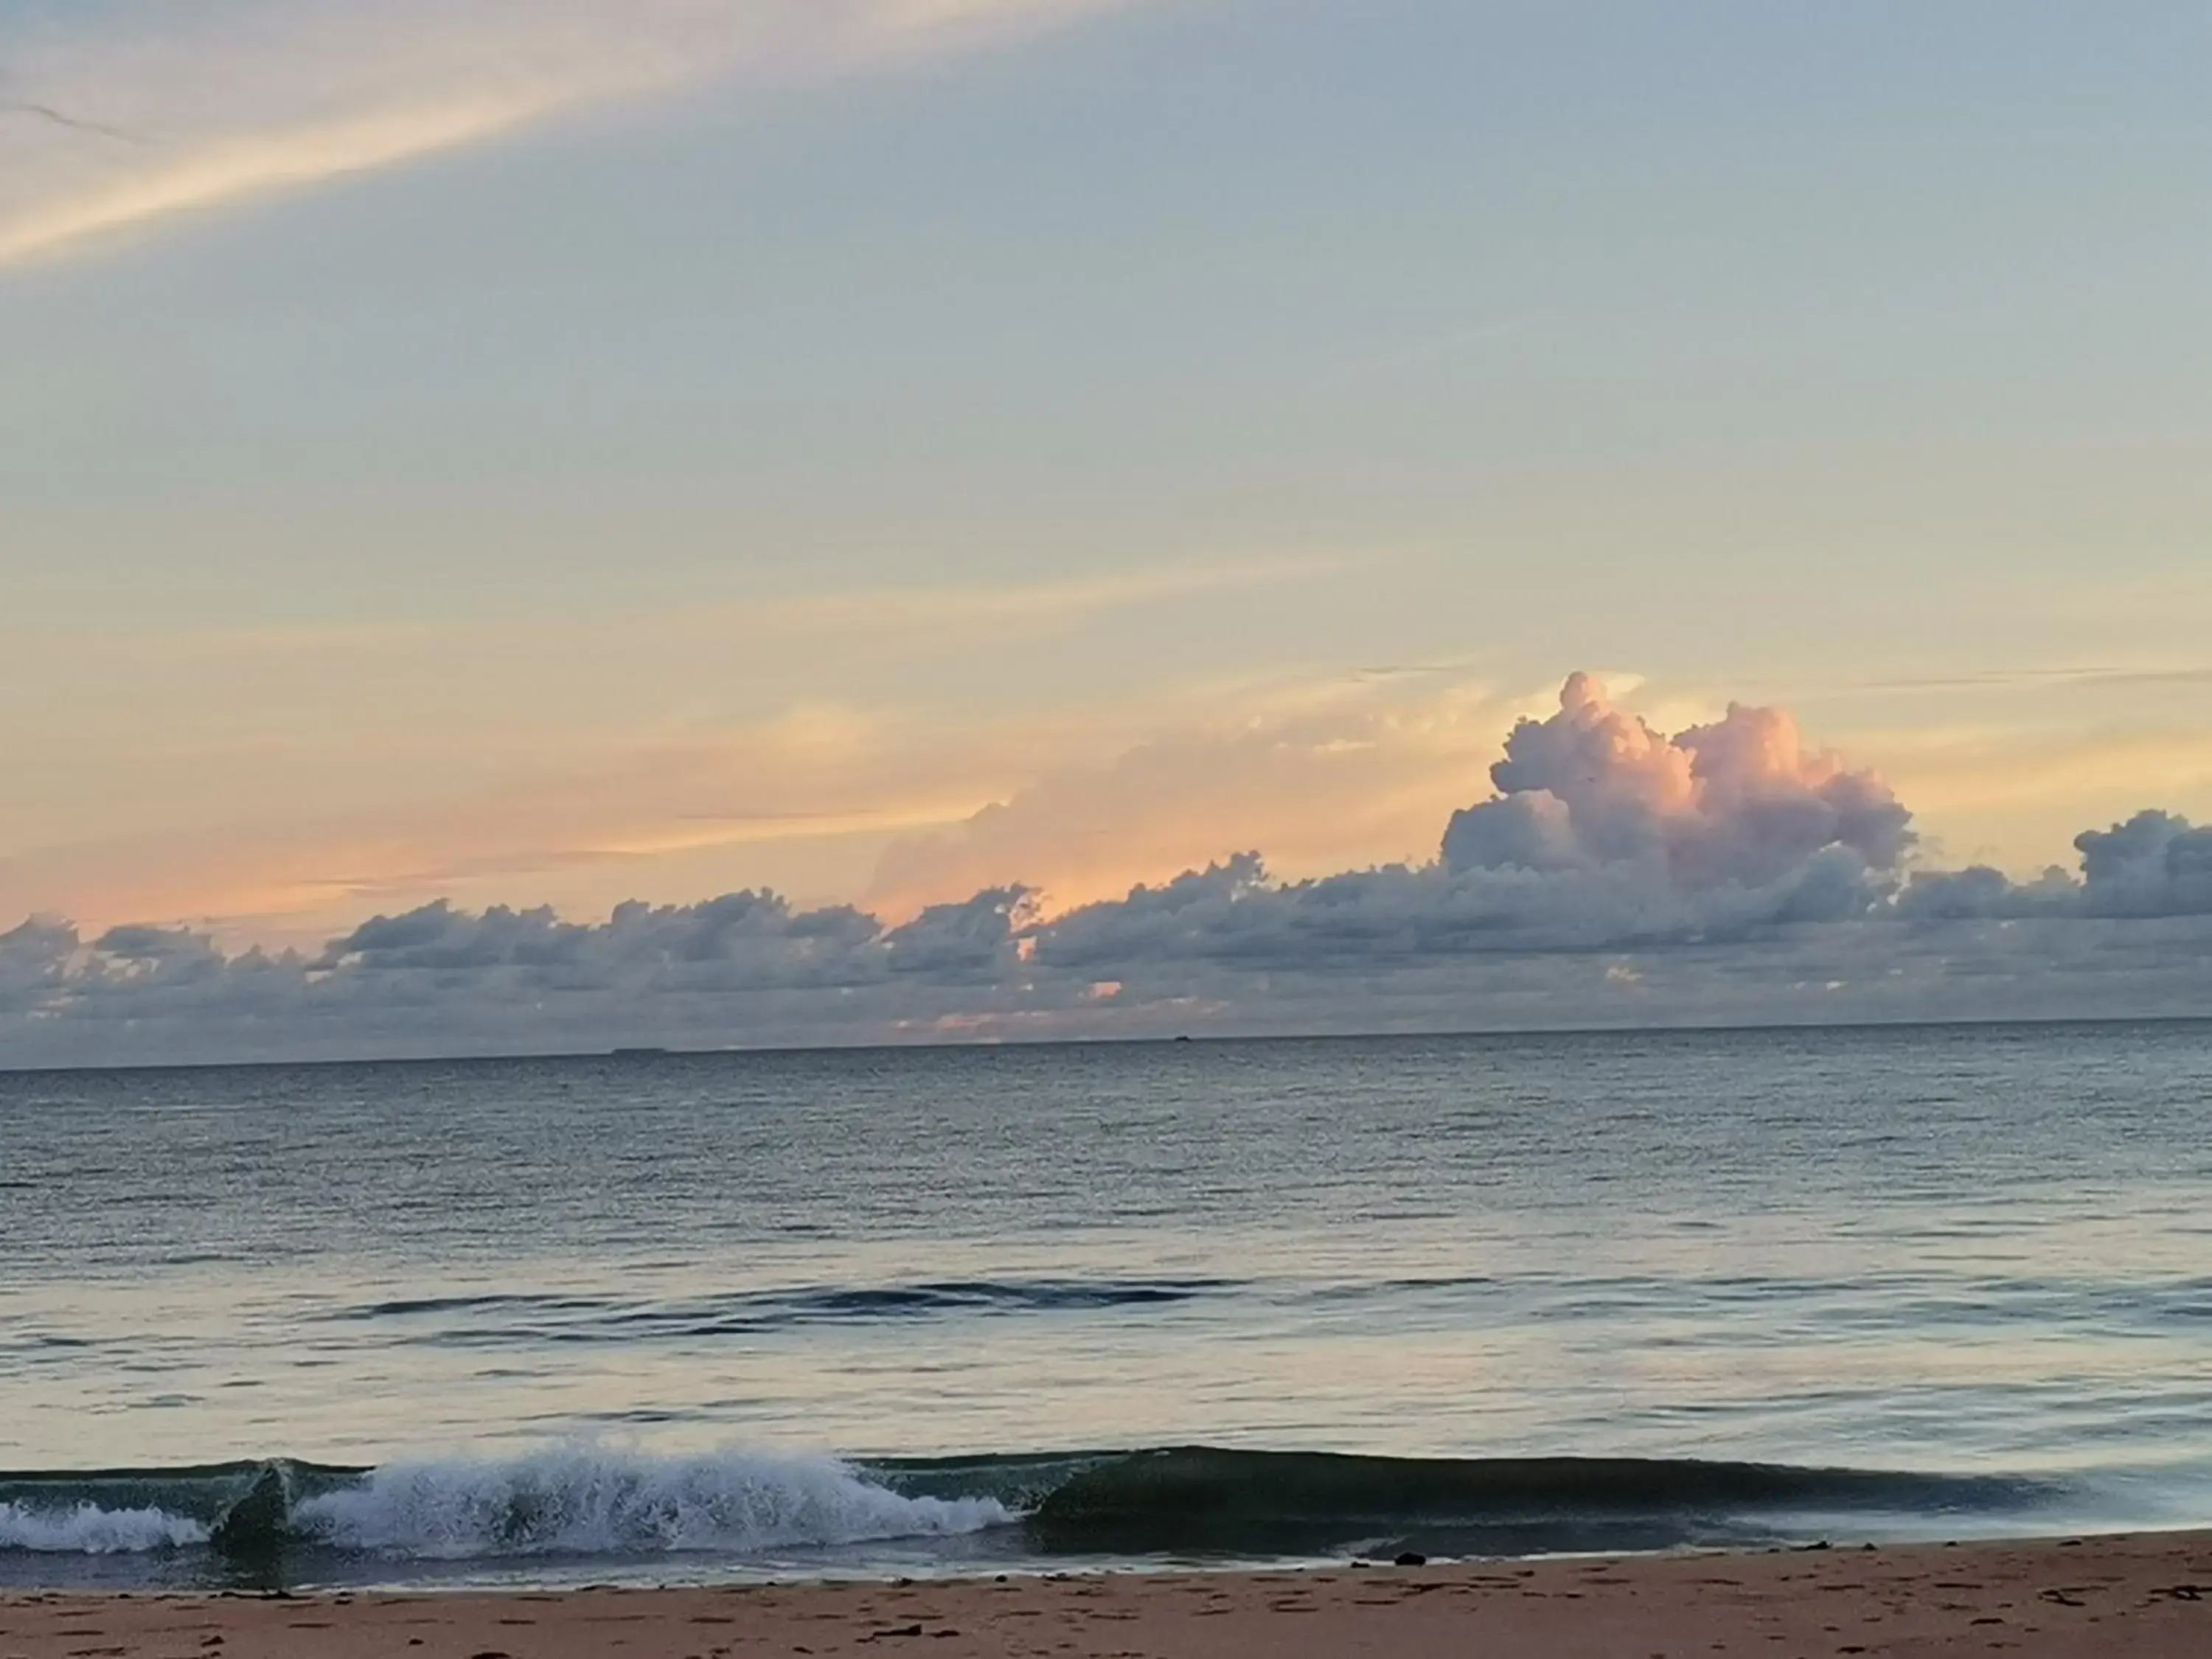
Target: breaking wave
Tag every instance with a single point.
(594, 1503)
(569, 1502)
(89, 1530)
(1192, 1500)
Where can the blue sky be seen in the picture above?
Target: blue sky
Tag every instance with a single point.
(563, 453)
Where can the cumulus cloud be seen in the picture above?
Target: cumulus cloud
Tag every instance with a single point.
(1600, 832)
(738, 943)
(1613, 874)
(1739, 801)
(2156, 864)
(745, 968)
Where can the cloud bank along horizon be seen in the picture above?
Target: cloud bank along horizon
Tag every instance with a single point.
(1615, 873)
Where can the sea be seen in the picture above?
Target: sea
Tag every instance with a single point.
(654, 1318)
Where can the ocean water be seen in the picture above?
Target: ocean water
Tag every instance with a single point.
(698, 1316)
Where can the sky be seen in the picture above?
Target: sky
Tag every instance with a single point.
(506, 456)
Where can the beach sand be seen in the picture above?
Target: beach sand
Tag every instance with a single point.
(2146, 1596)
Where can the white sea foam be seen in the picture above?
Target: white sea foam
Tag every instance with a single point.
(595, 1502)
(89, 1530)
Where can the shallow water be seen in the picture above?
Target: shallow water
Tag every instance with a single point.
(586, 1313)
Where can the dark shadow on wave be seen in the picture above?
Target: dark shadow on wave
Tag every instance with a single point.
(1201, 1501)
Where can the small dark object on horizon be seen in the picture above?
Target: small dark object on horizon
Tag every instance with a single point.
(1411, 1559)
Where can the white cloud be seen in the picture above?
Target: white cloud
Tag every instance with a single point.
(2156, 864)
(1741, 800)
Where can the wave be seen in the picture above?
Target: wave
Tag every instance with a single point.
(1192, 1500)
(568, 1502)
(499, 1318)
(586, 1503)
(89, 1530)
(1204, 1499)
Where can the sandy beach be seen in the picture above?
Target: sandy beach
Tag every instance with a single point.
(2146, 1596)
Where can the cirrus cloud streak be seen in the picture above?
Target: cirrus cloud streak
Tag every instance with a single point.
(130, 114)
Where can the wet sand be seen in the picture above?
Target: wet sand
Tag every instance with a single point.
(2147, 1596)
